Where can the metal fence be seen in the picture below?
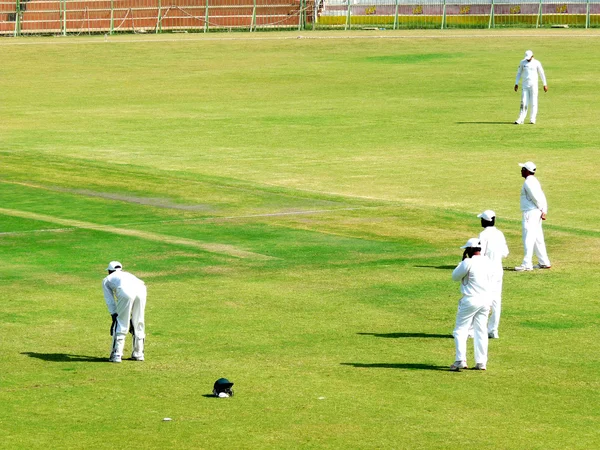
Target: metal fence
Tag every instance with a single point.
(397, 14)
(19, 17)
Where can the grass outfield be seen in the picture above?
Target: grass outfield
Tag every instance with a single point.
(295, 207)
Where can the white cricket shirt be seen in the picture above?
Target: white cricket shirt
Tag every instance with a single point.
(494, 246)
(119, 281)
(475, 276)
(529, 71)
(532, 196)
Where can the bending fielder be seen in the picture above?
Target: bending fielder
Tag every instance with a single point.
(125, 296)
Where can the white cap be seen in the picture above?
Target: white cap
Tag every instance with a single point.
(488, 215)
(529, 166)
(471, 243)
(528, 54)
(114, 265)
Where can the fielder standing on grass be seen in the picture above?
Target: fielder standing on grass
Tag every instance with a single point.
(529, 69)
(534, 207)
(474, 274)
(125, 296)
(494, 248)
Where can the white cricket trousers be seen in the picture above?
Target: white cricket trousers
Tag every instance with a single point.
(533, 238)
(494, 320)
(529, 97)
(472, 311)
(130, 306)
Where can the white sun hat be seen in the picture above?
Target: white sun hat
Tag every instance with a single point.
(488, 215)
(529, 166)
(472, 243)
(114, 265)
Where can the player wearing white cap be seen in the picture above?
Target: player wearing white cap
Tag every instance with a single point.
(529, 69)
(494, 247)
(125, 296)
(474, 274)
(535, 208)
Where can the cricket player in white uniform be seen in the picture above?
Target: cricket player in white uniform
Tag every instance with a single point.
(494, 248)
(125, 296)
(534, 207)
(475, 276)
(529, 69)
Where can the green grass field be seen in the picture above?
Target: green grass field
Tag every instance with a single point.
(295, 207)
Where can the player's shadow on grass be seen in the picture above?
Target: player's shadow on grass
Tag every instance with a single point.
(64, 357)
(485, 123)
(446, 267)
(407, 366)
(409, 335)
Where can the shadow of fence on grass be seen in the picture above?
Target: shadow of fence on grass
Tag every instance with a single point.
(63, 357)
(408, 335)
(406, 366)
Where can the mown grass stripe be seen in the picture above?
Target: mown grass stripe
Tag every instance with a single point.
(225, 249)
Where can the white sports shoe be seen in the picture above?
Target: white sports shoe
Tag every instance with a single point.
(518, 122)
(115, 359)
(493, 335)
(523, 268)
(458, 365)
(479, 366)
(137, 358)
(541, 266)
